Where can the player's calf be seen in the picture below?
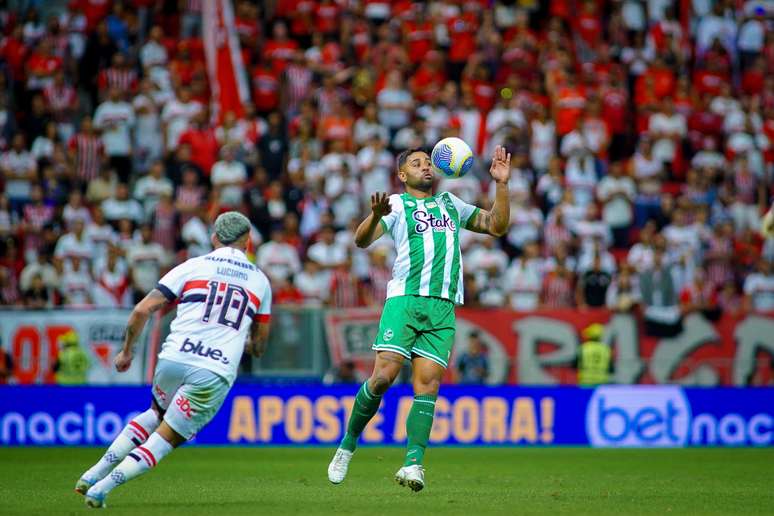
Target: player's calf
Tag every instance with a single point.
(139, 461)
(134, 434)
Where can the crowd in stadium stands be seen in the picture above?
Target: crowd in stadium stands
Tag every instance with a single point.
(642, 135)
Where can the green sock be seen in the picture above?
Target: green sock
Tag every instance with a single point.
(418, 426)
(364, 408)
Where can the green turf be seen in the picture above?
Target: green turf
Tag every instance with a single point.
(467, 481)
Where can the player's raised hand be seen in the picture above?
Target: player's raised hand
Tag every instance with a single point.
(501, 165)
(380, 204)
(122, 361)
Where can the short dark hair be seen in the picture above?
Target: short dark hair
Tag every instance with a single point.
(403, 156)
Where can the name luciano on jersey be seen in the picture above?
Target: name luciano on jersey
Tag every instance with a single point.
(232, 273)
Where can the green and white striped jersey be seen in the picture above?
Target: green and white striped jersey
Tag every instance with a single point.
(426, 233)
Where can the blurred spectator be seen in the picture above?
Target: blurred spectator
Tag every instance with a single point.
(472, 364)
(379, 275)
(75, 244)
(147, 261)
(313, 283)
(228, 178)
(326, 251)
(345, 288)
(102, 187)
(277, 258)
(121, 206)
(759, 288)
(617, 193)
(557, 290)
(76, 284)
(623, 294)
(660, 298)
(151, 187)
(524, 279)
(19, 169)
(592, 285)
(115, 118)
(395, 103)
(700, 296)
(37, 296)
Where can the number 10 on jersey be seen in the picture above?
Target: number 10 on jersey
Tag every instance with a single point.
(226, 304)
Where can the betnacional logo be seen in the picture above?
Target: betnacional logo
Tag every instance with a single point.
(652, 416)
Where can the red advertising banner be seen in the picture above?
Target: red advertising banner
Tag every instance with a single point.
(540, 348)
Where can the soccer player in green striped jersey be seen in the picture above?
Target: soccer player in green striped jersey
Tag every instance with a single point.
(417, 322)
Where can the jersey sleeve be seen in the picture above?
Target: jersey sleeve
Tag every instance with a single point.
(263, 315)
(467, 212)
(388, 221)
(173, 282)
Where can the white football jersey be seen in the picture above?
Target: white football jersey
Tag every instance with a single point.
(219, 296)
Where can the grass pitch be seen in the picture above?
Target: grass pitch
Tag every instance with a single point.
(468, 481)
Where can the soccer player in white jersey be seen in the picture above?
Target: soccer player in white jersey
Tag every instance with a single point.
(224, 305)
(418, 321)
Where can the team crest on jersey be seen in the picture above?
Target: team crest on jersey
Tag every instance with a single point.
(431, 204)
(425, 221)
(388, 335)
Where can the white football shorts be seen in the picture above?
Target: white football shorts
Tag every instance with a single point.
(191, 396)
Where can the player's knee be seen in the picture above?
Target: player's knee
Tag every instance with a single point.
(427, 386)
(379, 383)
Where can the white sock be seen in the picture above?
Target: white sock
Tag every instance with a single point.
(138, 462)
(133, 434)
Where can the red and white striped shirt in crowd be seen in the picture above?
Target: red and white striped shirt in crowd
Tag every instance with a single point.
(557, 291)
(378, 278)
(188, 196)
(193, 6)
(344, 289)
(719, 269)
(165, 225)
(60, 100)
(555, 235)
(125, 79)
(9, 290)
(88, 155)
(36, 216)
(298, 82)
(746, 186)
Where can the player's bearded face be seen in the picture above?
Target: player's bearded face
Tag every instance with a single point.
(417, 172)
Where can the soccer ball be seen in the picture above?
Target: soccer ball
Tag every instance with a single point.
(452, 157)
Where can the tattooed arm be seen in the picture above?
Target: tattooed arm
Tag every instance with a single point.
(150, 303)
(495, 221)
(259, 337)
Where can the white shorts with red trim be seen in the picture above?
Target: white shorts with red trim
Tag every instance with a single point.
(191, 396)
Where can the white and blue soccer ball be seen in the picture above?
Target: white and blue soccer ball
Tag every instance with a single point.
(452, 157)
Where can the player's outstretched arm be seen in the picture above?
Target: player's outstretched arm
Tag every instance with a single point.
(495, 221)
(259, 337)
(142, 311)
(370, 229)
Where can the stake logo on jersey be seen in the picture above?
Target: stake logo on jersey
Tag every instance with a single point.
(426, 221)
(426, 234)
(219, 296)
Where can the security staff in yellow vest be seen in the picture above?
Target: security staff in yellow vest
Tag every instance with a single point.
(72, 363)
(594, 359)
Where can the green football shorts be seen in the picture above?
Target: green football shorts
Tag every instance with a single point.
(419, 325)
